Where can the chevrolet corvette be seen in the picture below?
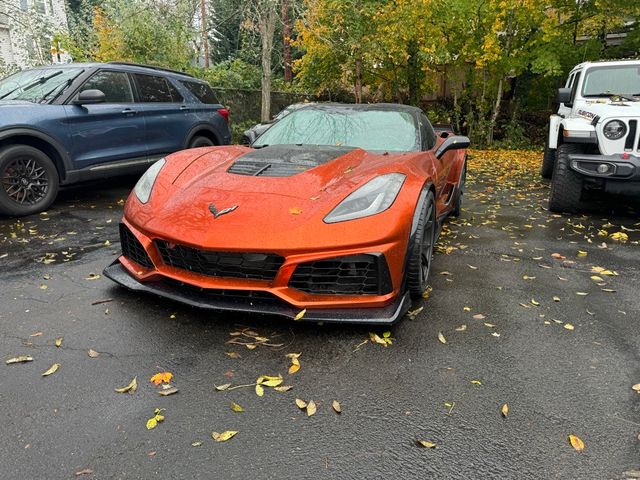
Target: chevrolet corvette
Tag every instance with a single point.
(331, 215)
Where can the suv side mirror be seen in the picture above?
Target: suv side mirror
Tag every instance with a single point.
(454, 142)
(564, 96)
(87, 97)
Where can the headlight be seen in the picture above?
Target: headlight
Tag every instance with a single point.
(145, 184)
(615, 129)
(373, 197)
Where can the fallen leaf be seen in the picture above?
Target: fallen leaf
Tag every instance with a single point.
(294, 368)
(534, 302)
(132, 387)
(311, 408)
(283, 388)
(167, 390)
(557, 256)
(235, 407)
(196, 444)
(86, 471)
(504, 410)
(59, 341)
(300, 314)
(295, 211)
(92, 353)
(479, 316)
(162, 377)
(568, 326)
(461, 328)
(93, 276)
(441, 338)
(301, 403)
(20, 359)
(152, 423)
(222, 387)
(259, 390)
(476, 382)
(52, 369)
(556, 299)
(37, 334)
(336, 406)
(472, 267)
(495, 334)
(224, 436)
(582, 253)
(582, 294)
(233, 354)
(619, 237)
(576, 443)
(636, 387)
(425, 444)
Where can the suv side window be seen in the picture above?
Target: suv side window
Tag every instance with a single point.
(114, 85)
(201, 91)
(153, 89)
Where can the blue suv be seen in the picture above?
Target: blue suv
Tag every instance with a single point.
(61, 125)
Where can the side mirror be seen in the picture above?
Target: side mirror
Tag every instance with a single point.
(454, 142)
(564, 96)
(87, 97)
(248, 137)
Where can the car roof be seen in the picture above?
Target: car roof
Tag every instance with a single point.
(127, 67)
(363, 107)
(611, 63)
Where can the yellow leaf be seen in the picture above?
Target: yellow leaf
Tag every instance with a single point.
(568, 326)
(461, 328)
(576, 443)
(162, 377)
(20, 359)
(294, 368)
(224, 436)
(272, 383)
(259, 390)
(222, 387)
(301, 403)
(236, 408)
(311, 408)
(476, 382)
(152, 423)
(283, 388)
(467, 309)
(159, 418)
(479, 316)
(300, 314)
(92, 353)
(133, 385)
(441, 338)
(295, 211)
(336, 406)
(619, 237)
(582, 294)
(556, 299)
(59, 341)
(504, 410)
(636, 387)
(425, 444)
(596, 278)
(534, 302)
(53, 369)
(582, 253)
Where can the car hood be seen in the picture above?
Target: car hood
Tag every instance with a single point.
(605, 108)
(284, 208)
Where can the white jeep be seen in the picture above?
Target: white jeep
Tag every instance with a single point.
(594, 139)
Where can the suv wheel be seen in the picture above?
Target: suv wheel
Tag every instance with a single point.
(566, 185)
(28, 180)
(200, 141)
(548, 162)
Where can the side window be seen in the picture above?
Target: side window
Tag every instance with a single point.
(152, 89)
(574, 87)
(114, 85)
(201, 91)
(569, 83)
(427, 133)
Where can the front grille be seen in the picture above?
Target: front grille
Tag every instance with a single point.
(274, 168)
(365, 274)
(132, 248)
(255, 266)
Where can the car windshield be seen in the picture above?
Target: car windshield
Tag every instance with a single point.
(37, 85)
(609, 81)
(384, 130)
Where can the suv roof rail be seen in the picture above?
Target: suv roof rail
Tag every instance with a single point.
(153, 67)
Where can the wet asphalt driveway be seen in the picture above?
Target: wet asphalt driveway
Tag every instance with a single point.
(522, 328)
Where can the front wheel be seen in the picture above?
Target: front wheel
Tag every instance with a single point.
(29, 180)
(200, 141)
(566, 185)
(419, 264)
(548, 162)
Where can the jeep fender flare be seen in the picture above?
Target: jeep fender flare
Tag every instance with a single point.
(554, 131)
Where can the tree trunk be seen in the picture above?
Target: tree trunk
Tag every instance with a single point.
(286, 41)
(267, 24)
(496, 112)
(205, 35)
(358, 81)
(413, 72)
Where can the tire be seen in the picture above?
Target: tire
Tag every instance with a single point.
(200, 141)
(419, 264)
(29, 180)
(457, 203)
(566, 185)
(548, 162)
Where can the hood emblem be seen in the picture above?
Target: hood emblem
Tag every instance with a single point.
(217, 213)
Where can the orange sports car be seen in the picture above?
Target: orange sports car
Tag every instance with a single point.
(334, 210)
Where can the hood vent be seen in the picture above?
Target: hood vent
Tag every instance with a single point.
(285, 160)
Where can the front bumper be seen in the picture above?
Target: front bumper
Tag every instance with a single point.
(620, 168)
(201, 298)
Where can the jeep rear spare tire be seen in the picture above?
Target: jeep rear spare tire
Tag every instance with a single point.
(566, 185)
(28, 180)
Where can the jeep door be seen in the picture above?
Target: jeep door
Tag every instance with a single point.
(109, 131)
(168, 117)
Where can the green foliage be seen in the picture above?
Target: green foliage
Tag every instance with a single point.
(236, 74)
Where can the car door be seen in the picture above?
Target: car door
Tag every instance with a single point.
(168, 118)
(109, 131)
(443, 164)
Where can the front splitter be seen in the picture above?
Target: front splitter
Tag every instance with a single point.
(368, 316)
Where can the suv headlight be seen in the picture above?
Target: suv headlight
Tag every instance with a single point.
(615, 129)
(373, 197)
(145, 184)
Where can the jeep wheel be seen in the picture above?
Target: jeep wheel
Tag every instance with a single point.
(28, 180)
(548, 162)
(566, 185)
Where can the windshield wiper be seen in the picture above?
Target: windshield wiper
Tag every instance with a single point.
(64, 86)
(29, 86)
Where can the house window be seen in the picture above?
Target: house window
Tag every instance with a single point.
(40, 7)
(24, 5)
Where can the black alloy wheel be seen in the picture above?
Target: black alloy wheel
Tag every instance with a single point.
(422, 251)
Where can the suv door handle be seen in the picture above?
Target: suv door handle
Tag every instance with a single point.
(129, 111)
(184, 107)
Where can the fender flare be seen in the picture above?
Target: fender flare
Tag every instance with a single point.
(554, 131)
(67, 164)
(198, 128)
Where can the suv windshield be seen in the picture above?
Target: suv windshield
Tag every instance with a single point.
(384, 130)
(38, 85)
(612, 80)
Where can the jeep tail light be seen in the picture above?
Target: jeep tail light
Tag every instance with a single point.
(224, 112)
